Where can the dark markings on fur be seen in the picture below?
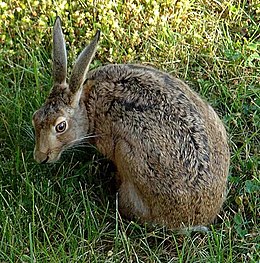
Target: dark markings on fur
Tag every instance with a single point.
(169, 81)
(85, 82)
(130, 105)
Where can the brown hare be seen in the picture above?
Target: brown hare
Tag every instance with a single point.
(168, 145)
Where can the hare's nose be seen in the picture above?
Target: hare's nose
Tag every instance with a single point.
(41, 157)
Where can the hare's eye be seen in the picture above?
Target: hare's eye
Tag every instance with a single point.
(61, 127)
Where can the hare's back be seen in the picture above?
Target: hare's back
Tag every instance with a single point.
(159, 115)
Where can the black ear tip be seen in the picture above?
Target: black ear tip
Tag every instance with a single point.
(97, 36)
(57, 21)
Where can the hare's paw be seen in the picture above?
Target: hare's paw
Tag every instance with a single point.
(193, 229)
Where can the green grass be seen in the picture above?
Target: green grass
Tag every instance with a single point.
(67, 212)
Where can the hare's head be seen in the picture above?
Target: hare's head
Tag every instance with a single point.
(61, 121)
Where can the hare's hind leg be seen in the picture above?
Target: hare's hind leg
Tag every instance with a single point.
(131, 204)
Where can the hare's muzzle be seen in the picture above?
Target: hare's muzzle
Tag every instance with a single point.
(41, 157)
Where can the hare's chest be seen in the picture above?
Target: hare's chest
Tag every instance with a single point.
(105, 141)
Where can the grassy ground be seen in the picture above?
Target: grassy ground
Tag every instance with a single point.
(67, 212)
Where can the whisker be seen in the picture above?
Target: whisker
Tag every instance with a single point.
(81, 146)
(29, 132)
(84, 138)
(81, 141)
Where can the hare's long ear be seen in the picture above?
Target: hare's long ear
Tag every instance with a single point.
(81, 67)
(59, 54)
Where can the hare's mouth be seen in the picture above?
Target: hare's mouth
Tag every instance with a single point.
(49, 157)
(46, 160)
(53, 157)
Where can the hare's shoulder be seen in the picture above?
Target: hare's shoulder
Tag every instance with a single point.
(137, 77)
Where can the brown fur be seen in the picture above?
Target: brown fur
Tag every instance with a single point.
(168, 145)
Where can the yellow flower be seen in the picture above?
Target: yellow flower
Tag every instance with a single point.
(35, 3)
(41, 22)
(156, 13)
(151, 21)
(26, 19)
(3, 5)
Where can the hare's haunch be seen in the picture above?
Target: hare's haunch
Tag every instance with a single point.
(168, 145)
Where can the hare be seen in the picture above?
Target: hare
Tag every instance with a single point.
(169, 146)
